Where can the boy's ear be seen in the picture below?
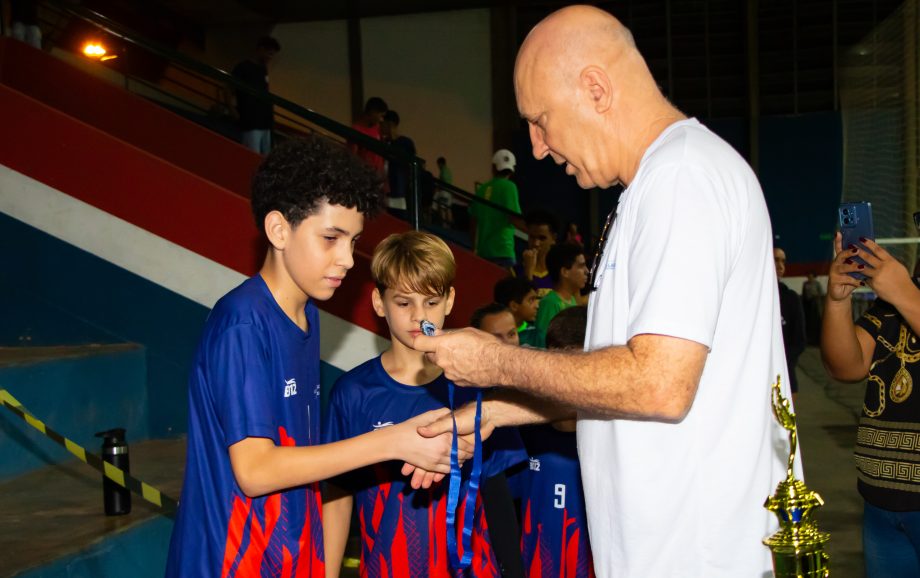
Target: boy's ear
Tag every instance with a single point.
(565, 273)
(277, 229)
(377, 302)
(450, 301)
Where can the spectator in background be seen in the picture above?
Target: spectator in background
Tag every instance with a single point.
(444, 172)
(569, 272)
(881, 344)
(24, 18)
(496, 319)
(572, 235)
(398, 171)
(369, 123)
(813, 302)
(793, 319)
(554, 538)
(256, 112)
(519, 296)
(541, 228)
(492, 229)
(498, 500)
(443, 199)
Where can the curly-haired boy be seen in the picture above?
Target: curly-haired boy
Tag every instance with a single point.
(250, 501)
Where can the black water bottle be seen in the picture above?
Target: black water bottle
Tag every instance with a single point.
(117, 499)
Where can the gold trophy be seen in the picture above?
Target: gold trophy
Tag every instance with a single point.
(798, 546)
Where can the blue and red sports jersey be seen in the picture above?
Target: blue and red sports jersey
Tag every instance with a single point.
(404, 531)
(554, 528)
(255, 374)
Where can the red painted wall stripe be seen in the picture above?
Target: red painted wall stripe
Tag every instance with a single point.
(171, 202)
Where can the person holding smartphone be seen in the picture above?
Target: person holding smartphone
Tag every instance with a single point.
(882, 345)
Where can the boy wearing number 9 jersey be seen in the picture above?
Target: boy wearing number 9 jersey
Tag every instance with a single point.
(554, 528)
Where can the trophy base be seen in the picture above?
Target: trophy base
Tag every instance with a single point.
(801, 565)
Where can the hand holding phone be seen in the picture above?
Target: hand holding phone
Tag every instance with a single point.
(856, 223)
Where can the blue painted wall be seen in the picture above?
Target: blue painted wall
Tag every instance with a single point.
(76, 397)
(120, 306)
(61, 295)
(801, 170)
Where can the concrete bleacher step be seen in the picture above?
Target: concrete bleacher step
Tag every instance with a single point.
(76, 390)
(52, 521)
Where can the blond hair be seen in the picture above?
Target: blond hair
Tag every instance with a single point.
(414, 261)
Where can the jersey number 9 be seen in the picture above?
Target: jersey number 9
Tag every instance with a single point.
(559, 502)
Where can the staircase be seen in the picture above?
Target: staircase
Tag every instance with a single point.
(121, 223)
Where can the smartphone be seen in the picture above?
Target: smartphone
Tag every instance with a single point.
(855, 223)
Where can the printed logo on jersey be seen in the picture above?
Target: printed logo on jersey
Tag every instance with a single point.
(290, 387)
(534, 464)
(382, 424)
(316, 390)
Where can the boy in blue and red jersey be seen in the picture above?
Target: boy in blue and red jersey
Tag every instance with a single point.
(404, 531)
(250, 502)
(554, 528)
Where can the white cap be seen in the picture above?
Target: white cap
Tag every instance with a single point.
(503, 159)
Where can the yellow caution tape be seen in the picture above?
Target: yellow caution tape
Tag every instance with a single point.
(117, 475)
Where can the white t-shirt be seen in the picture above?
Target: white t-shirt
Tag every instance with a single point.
(689, 256)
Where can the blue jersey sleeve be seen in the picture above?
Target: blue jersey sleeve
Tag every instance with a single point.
(502, 450)
(240, 384)
(337, 424)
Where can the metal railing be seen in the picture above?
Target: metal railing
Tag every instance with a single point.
(202, 88)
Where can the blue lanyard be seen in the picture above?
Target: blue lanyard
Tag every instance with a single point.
(472, 491)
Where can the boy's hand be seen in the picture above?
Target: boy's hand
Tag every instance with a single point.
(443, 425)
(840, 285)
(529, 262)
(429, 454)
(464, 355)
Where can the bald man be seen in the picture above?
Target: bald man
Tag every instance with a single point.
(676, 439)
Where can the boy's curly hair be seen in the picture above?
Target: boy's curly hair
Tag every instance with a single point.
(299, 175)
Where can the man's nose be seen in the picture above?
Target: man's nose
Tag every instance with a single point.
(540, 150)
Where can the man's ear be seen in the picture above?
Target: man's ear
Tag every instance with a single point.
(595, 81)
(377, 302)
(277, 229)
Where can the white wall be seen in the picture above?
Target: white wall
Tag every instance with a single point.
(435, 71)
(312, 67)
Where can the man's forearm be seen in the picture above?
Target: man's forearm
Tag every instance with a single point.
(506, 408)
(625, 381)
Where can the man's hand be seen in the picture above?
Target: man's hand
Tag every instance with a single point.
(840, 285)
(443, 425)
(467, 356)
(429, 453)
